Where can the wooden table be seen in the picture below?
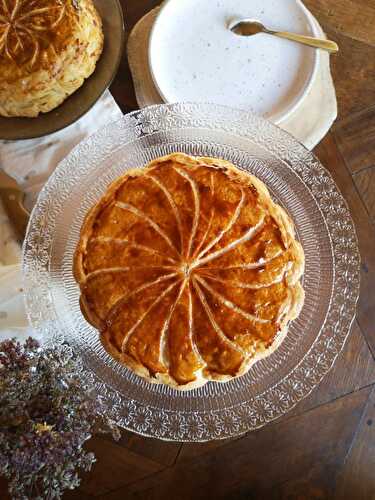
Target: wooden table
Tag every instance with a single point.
(325, 447)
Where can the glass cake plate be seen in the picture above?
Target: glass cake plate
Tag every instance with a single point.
(296, 180)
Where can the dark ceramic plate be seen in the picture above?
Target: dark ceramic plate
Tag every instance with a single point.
(85, 97)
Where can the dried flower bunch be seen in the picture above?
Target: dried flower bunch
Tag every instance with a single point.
(47, 412)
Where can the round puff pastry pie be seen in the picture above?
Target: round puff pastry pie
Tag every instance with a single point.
(189, 271)
(47, 49)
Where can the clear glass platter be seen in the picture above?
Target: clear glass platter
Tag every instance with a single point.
(296, 180)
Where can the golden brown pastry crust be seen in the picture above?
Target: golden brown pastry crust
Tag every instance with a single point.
(204, 323)
(47, 49)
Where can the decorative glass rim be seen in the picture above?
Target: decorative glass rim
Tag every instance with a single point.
(284, 394)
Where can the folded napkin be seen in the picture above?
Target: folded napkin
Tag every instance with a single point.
(30, 163)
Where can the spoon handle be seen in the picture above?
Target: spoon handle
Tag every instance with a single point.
(308, 40)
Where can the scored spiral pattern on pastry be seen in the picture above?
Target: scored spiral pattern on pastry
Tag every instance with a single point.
(189, 270)
(47, 49)
(23, 24)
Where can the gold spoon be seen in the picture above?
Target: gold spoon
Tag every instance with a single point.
(248, 27)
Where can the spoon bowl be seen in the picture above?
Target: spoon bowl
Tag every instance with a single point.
(246, 27)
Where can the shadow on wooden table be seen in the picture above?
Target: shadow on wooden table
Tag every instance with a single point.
(321, 483)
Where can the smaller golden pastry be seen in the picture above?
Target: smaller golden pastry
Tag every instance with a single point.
(47, 49)
(189, 271)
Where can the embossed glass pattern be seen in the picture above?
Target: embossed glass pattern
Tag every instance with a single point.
(296, 180)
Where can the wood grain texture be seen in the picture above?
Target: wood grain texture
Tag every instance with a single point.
(317, 484)
(355, 138)
(352, 18)
(116, 467)
(331, 158)
(285, 450)
(357, 479)
(122, 87)
(353, 72)
(135, 9)
(354, 369)
(365, 182)
(162, 452)
(191, 451)
(77, 494)
(350, 23)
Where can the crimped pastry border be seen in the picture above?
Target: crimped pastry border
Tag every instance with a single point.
(287, 232)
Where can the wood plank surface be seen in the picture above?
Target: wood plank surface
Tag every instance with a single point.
(162, 452)
(269, 456)
(324, 448)
(317, 484)
(355, 138)
(353, 370)
(365, 182)
(353, 72)
(353, 18)
(116, 467)
(357, 479)
(332, 159)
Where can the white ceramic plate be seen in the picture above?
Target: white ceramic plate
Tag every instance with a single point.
(193, 55)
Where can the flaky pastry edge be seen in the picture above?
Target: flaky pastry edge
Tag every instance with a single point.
(287, 232)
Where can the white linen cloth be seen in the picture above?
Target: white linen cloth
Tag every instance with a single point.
(30, 163)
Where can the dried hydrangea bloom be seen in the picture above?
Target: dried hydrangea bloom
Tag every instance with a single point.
(46, 415)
